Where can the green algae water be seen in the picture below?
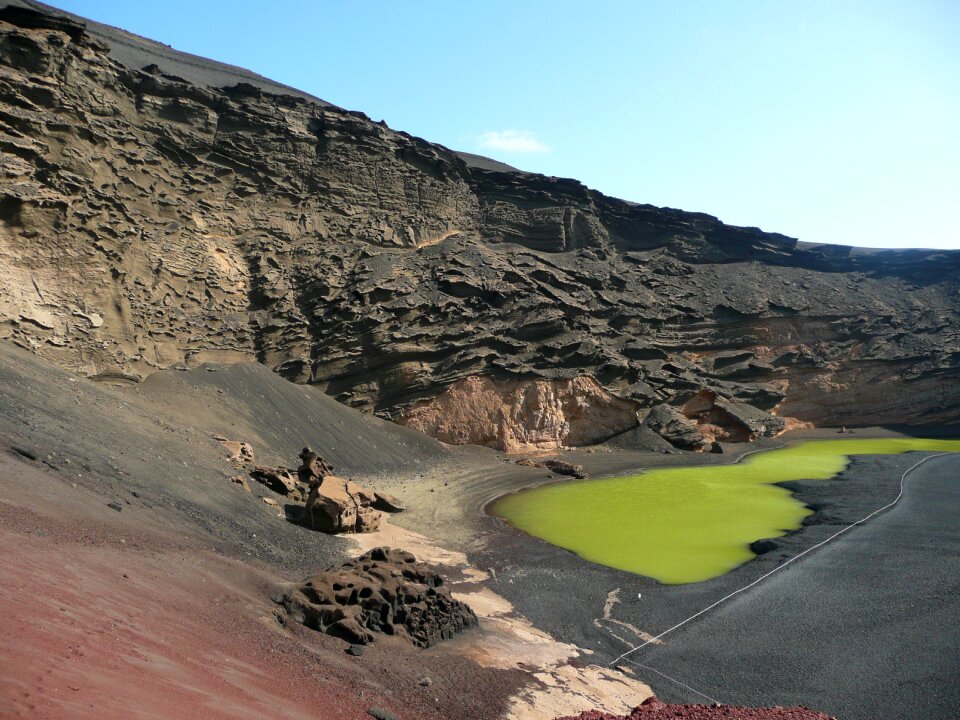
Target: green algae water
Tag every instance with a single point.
(687, 524)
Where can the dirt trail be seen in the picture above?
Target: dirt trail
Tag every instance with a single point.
(565, 682)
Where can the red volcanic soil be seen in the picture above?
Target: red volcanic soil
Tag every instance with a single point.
(653, 709)
(101, 620)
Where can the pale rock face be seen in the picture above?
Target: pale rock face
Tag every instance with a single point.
(523, 415)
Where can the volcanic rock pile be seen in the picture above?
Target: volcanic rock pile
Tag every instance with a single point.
(331, 504)
(383, 591)
(149, 222)
(653, 709)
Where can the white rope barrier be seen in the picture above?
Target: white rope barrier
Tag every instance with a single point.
(673, 680)
(777, 569)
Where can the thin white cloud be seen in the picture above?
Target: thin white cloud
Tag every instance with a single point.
(517, 141)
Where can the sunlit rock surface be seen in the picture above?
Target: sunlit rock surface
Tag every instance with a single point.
(149, 222)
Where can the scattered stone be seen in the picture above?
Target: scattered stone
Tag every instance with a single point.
(313, 468)
(762, 547)
(269, 501)
(25, 452)
(281, 481)
(241, 481)
(241, 453)
(424, 681)
(381, 714)
(383, 591)
(562, 467)
(355, 650)
(388, 503)
(115, 506)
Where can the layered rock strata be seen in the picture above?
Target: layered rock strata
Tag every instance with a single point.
(149, 222)
(523, 415)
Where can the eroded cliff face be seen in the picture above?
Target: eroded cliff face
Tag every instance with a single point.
(523, 415)
(147, 222)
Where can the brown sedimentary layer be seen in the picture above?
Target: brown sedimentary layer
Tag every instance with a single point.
(523, 415)
(149, 222)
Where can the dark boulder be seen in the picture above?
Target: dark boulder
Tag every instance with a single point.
(383, 591)
(674, 427)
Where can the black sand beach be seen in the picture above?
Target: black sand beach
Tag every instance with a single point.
(865, 627)
(875, 604)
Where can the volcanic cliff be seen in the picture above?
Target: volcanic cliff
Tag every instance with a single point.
(150, 220)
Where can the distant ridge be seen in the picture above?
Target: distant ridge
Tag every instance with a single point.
(137, 52)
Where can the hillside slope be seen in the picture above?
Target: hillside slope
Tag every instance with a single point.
(148, 222)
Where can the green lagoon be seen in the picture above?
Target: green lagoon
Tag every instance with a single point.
(687, 524)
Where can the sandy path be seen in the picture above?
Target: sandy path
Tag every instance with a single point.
(561, 682)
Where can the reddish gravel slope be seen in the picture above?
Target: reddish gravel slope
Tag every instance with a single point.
(653, 709)
(104, 618)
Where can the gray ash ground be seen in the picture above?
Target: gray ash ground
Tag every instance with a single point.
(762, 647)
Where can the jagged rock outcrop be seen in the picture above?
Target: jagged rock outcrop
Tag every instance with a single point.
(720, 419)
(281, 481)
(148, 222)
(675, 427)
(523, 415)
(337, 505)
(383, 591)
(331, 504)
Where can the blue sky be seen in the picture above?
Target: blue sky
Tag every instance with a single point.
(828, 121)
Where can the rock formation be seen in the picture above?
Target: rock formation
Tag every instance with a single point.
(561, 467)
(150, 222)
(336, 505)
(523, 415)
(241, 453)
(654, 709)
(281, 481)
(676, 428)
(383, 591)
(331, 504)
